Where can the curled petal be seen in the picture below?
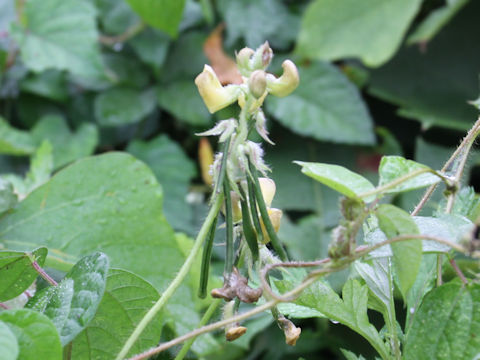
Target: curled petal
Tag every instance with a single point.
(214, 95)
(286, 83)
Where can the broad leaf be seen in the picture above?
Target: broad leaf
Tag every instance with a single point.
(8, 343)
(161, 14)
(325, 106)
(377, 278)
(151, 47)
(122, 106)
(60, 34)
(182, 100)
(126, 300)
(17, 272)
(174, 170)
(51, 84)
(407, 255)
(422, 285)
(434, 22)
(252, 21)
(8, 199)
(467, 203)
(73, 303)
(338, 178)
(351, 310)
(36, 335)
(67, 145)
(426, 86)
(394, 168)
(446, 325)
(14, 141)
(332, 30)
(111, 203)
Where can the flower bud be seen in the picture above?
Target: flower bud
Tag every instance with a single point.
(243, 60)
(214, 95)
(233, 333)
(275, 216)
(268, 189)
(292, 333)
(262, 57)
(257, 83)
(286, 83)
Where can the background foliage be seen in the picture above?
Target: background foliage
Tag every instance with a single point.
(114, 78)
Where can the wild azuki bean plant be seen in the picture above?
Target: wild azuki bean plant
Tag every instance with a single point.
(388, 248)
(393, 254)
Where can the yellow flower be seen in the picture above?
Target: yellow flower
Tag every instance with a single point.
(286, 83)
(214, 95)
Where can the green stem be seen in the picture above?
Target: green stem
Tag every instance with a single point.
(229, 229)
(266, 219)
(223, 169)
(395, 345)
(253, 210)
(202, 234)
(248, 230)
(208, 314)
(206, 258)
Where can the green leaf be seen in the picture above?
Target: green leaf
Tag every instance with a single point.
(161, 14)
(407, 255)
(51, 84)
(73, 303)
(252, 20)
(110, 203)
(14, 141)
(332, 30)
(182, 100)
(351, 356)
(174, 170)
(434, 22)
(121, 106)
(126, 300)
(376, 277)
(424, 282)
(446, 325)
(392, 168)
(338, 178)
(60, 34)
(8, 199)
(151, 47)
(36, 335)
(8, 343)
(41, 166)
(467, 203)
(67, 145)
(425, 85)
(17, 272)
(325, 106)
(351, 310)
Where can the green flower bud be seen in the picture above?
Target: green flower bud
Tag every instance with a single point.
(257, 83)
(286, 83)
(243, 61)
(262, 57)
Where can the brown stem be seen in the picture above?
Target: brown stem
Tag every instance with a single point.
(466, 142)
(458, 271)
(131, 32)
(43, 274)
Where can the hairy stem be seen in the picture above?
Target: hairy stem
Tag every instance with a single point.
(43, 274)
(169, 291)
(466, 143)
